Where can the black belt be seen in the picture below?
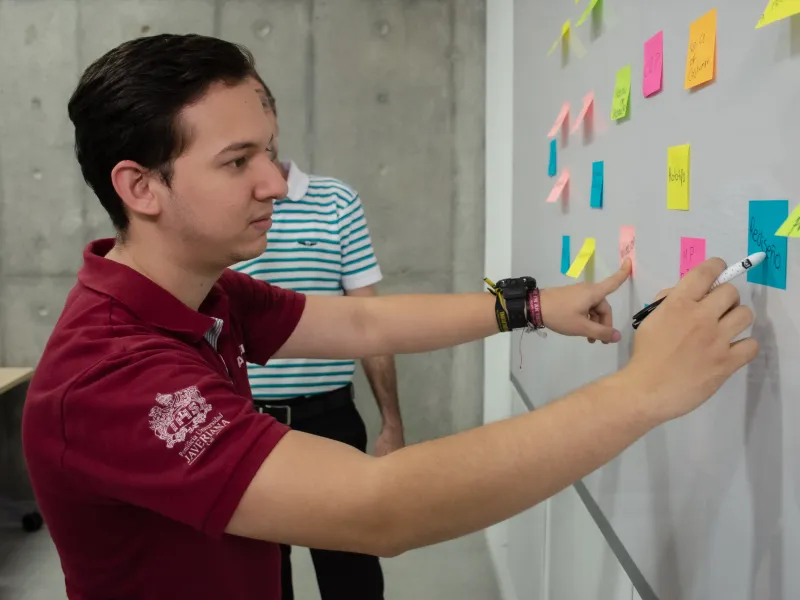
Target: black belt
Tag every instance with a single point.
(305, 407)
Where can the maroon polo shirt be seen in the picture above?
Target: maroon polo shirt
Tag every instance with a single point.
(141, 437)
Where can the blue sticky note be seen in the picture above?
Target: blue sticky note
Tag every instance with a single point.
(552, 167)
(766, 216)
(565, 262)
(597, 185)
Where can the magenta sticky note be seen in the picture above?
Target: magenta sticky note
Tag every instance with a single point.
(693, 252)
(653, 64)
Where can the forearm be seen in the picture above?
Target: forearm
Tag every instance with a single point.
(408, 324)
(382, 377)
(449, 487)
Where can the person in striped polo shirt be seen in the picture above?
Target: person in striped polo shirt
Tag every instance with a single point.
(319, 243)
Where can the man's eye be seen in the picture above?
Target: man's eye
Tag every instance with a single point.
(239, 162)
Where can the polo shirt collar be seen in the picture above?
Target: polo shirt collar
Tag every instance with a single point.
(148, 301)
(296, 181)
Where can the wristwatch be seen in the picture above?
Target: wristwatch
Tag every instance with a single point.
(515, 294)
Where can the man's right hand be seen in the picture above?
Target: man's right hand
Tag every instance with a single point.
(684, 350)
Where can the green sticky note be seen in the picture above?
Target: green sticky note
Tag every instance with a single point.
(622, 94)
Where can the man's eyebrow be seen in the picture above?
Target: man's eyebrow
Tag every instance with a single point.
(249, 145)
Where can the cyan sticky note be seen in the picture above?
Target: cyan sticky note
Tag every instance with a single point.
(766, 216)
(553, 167)
(597, 185)
(565, 257)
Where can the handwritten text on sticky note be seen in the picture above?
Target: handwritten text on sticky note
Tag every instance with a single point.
(622, 94)
(701, 54)
(653, 64)
(767, 216)
(791, 227)
(588, 101)
(587, 251)
(596, 200)
(627, 245)
(558, 188)
(678, 177)
(693, 252)
(552, 165)
(562, 114)
(565, 256)
(777, 10)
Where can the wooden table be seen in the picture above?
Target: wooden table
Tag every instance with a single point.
(13, 376)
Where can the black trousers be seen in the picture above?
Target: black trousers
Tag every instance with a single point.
(340, 575)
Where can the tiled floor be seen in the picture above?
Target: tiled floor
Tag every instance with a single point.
(29, 570)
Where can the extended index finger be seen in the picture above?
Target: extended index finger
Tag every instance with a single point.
(697, 282)
(611, 284)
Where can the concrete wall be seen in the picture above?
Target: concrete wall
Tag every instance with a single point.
(385, 94)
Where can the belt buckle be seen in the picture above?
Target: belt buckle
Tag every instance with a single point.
(288, 409)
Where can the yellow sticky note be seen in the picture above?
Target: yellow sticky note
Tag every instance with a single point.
(678, 177)
(702, 51)
(622, 94)
(791, 227)
(777, 10)
(564, 33)
(587, 251)
(586, 13)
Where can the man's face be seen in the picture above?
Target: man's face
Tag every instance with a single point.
(224, 183)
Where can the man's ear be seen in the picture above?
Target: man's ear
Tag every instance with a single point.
(139, 188)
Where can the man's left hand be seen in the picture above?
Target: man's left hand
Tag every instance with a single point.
(389, 440)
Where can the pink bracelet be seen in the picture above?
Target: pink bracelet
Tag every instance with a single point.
(535, 309)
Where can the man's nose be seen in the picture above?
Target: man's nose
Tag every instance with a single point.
(271, 184)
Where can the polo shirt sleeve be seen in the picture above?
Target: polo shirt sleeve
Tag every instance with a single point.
(268, 315)
(359, 264)
(161, 430)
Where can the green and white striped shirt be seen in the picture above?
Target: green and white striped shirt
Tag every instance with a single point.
(318, 244)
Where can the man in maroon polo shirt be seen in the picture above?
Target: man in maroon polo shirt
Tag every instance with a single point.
(156, 477)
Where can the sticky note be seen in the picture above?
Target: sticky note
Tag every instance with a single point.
(562, 114)
(588, 101)
(653, 65)
(693, 252)
(622, 94)
(678, 177)
(587, 251)
(596, 200)
(701, 54)
(565, 256)
(791, 227)
(777, 10)
(627, 245)
(552, 166)
(561, 182)
(766, 216)
(586, 13)
(564, 33)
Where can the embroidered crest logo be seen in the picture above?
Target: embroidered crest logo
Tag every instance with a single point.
(178, 415)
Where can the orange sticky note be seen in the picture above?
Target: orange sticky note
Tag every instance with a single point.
(559, 119)
(627, 245)
(562, 181)
(588, 101)
(702, 51)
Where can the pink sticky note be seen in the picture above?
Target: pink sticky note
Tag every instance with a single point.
(693, 252)
(653, 64)
(559, 119)
(563, 180)
(627, 245)
(588, 100)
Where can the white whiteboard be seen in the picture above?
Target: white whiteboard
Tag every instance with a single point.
(707, 507)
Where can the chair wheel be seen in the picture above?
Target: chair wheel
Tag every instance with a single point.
(32, 522)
